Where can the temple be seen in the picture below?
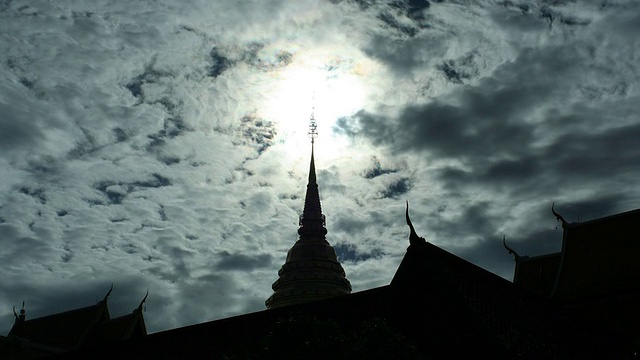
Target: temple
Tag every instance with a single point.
(72, 330)
(437, 306)
(596, 274)
(311, 270)
(579, 303)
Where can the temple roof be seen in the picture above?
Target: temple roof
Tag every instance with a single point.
(438, 306)
(597, 273)
(538, 274)
(62, 331)
(72, 330)
(599, 256)
(123, 327)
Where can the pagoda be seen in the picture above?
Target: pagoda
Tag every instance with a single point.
(311, 271)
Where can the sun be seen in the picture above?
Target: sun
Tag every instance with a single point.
(330, 87)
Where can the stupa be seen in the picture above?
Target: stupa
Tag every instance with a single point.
(311, 271)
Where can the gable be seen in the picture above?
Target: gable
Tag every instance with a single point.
(538, 274)
(600, 257)
(63, 331)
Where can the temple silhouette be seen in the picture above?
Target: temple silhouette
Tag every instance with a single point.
(70, 330)
(579, 303)
(311, 271)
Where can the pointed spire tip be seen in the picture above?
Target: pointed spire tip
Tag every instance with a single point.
(413, 236)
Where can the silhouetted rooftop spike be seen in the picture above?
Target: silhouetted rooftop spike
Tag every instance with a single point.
(558, 216)
(108, 293)
(23, 314)
(510, 250)
(413, 236)
(143, 300)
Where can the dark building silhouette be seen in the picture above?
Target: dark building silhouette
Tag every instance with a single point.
(71, 330)
(437, 306)
(311, 271)
(596, 275)
(576, 304)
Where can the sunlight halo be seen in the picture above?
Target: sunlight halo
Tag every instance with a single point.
(331, 87)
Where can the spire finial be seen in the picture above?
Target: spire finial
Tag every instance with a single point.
(413, 236)
(23, 313)
(516, 257)
(313, 133)
(558, 216)
(19, 319)
(313, 126)
(143, 300)
(108, 293)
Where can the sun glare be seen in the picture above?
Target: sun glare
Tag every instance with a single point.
(331, 89)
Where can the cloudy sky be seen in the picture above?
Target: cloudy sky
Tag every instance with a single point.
(163, 145)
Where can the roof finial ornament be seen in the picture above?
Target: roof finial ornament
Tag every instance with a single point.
(108, 293)
(23, 313)
(558, 216)
(413, 236)
(143, 300)
(313, 126)
(20, 319)
(516, 257)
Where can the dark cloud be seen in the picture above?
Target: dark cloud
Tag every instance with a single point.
(23, 249)
(241, 262)
(349, 224)
(397, 188)
(115, 192)
(460, 70)
(16, 129)
(502, 134)
(405, 17)
(219, 63)
(487, 118)
(252, 53)
(351, 253)
(377, 169)
(257, 131)
(474, 222)
(403, 57)
(37, 194)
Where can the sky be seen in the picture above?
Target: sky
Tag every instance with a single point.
(163, 145)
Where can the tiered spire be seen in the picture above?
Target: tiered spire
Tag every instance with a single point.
(311, 271)
(312, 222)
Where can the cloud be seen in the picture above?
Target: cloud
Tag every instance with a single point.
(243, 262)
